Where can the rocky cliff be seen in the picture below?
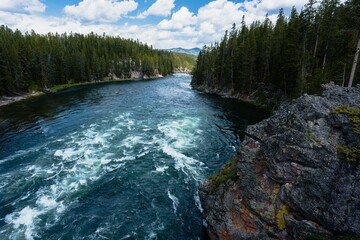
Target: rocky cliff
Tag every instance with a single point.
(290, 180)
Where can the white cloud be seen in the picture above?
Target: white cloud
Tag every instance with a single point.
(101, 10)
(179, 19)
(220, 13)
(160, 8)
(30, 6)
(183, 29)
(268, 5)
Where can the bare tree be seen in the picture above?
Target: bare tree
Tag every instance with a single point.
(352, 74)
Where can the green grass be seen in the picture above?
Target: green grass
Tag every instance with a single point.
(352, 113)
(57, 88)
(351, 154)
(227, 172)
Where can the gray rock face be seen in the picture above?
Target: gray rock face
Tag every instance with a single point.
(292, 183)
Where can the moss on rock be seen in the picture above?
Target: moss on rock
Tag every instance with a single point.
(227, 172)
(350, 153)
(280, 217)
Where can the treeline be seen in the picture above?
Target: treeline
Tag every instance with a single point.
(294, 56)
(183, 61)
(32, 61)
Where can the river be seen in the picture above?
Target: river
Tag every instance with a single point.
(114, 160)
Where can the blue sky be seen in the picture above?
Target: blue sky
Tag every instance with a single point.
(161, 23)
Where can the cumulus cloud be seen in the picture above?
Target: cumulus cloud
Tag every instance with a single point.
(160, 8)
(101, 10)
(182, 29)
(220, 13)
(30, 6)
(179, 19)
(269, 5)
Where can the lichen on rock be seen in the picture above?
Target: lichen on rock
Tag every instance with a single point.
(292, 181)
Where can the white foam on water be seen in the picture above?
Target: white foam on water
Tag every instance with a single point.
(180, 132)
(184, 163)
(125, 237)
(131, 141)
(66, 153)
(152, 235)
(179, 137)
(143, 153)
(98, 233)
(126, 158)
(3, 184)
(86, 156)
(60, 208)
(24, 218)
(26, 196)
(197, 201)
(116, 129)
(71, 169)
(114, 167)
(175, 201)
(161, 169)
(47, 202)
(130, 124)
(104, 161)
(83, 182)
(125, 121)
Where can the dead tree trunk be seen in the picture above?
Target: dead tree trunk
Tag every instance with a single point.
(303, 66)
(343, 78)
(352, 74)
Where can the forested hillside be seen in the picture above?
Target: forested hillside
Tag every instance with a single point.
(31, 61)
(183, 61)
(293, 56)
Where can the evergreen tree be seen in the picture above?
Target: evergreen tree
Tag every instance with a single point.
(31, 61)
(294, 56)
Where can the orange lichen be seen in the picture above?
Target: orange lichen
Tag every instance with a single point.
(243, 220)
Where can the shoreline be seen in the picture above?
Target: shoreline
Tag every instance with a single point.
(6, 100)
(242, 98)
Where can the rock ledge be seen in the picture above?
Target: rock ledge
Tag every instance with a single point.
(291, 182)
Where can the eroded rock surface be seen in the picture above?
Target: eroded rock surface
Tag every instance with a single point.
(292, 184)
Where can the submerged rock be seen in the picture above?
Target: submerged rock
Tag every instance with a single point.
(46, 90)
(292, 183)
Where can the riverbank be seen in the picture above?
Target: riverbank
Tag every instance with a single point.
(266, 103)
(7, 100)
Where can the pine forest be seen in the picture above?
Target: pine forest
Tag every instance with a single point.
(293, 56)
(31, 62)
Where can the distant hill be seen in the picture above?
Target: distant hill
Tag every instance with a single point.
(192, 51)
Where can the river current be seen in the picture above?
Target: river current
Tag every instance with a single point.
(115, 160)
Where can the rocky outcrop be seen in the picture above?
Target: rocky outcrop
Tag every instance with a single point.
(292, 184)
(182, 70)
(266, 97)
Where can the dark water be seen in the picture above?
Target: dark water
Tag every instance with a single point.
(114, 161)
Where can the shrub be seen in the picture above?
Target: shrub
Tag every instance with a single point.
(227, 172)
